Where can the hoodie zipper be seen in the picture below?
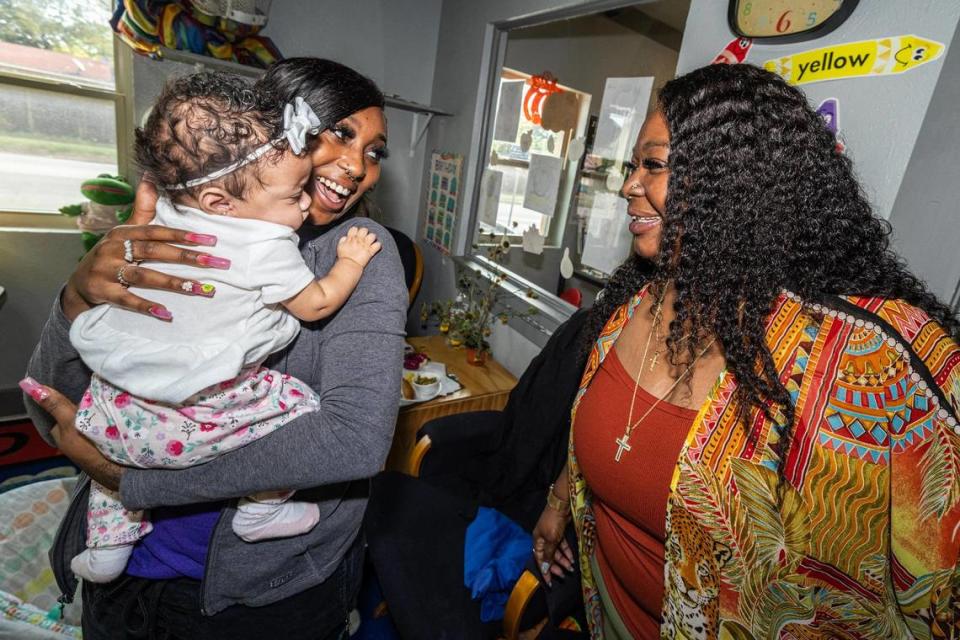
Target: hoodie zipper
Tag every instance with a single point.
(205, 580)
(66, 581)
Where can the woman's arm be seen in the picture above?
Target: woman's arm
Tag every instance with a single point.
(359, 356)
(552, 552)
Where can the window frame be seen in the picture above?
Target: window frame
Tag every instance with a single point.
(123, 110)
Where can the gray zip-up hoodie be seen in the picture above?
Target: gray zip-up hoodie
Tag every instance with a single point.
(353, 360)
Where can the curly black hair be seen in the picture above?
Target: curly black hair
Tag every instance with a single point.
(759, 200)
(204, 122)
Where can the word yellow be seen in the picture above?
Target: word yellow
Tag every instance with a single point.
(882, 56)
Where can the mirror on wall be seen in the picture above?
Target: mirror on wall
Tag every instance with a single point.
(569, 100)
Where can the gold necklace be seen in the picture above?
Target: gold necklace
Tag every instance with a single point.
(623, 442)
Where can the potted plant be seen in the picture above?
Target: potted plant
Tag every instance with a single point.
(467, 320)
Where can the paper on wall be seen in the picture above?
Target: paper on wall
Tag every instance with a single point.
(508, 110)
(543, 183)
(622, 112)
(533, 241)
(608, 239)
(490, 186)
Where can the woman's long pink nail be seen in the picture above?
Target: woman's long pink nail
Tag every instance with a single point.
(213, 261)
(201, 238)
(160, 312)
(34, 389)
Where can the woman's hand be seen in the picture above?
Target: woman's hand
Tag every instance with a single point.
(552, 552)
(71, 442)
(97, 278)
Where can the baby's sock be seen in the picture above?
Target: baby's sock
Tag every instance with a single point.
(264, 520)
(102, 564)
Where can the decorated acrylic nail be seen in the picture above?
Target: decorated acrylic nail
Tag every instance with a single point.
(33, 388)
(160, 312)
(198, 288)
(213, 261)
(202, 238)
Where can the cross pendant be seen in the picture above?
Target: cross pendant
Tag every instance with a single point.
(653, 364)
(623, 444)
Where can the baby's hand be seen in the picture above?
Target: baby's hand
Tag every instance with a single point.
(358, 245)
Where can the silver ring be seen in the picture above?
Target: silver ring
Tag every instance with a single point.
(123, 281)
(128, 251)
(544, 567)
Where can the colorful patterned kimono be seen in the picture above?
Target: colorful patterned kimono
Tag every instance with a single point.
(864, 541)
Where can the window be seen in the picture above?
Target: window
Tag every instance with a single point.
(58, 101)
(516, 147)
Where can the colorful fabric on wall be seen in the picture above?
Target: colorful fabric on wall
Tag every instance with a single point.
(861, 539)
(148, 25)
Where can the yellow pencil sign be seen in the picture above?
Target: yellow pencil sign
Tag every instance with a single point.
(882, 56)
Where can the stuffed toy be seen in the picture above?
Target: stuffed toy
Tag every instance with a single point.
(109, 203)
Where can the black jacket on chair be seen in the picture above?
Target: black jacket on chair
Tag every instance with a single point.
(416, 527)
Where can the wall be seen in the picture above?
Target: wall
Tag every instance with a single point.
(395, 43)
(925, 216)
(893, 105)
(33, 266)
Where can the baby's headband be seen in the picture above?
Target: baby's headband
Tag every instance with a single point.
(298, 121)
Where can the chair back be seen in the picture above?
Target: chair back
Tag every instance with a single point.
(412, 259)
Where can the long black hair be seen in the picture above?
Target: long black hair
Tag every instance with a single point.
(333, 90)
(759, 200)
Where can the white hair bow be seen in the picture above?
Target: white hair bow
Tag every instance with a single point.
(298, 121)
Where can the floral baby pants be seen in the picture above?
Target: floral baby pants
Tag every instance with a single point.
(136, 432)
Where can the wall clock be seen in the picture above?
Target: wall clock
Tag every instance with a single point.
(783, 21)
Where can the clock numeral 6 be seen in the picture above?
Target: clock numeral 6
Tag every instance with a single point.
(783, 24)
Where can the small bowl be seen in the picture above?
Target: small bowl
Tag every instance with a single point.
(425, 391)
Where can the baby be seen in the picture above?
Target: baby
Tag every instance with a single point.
(176, 394)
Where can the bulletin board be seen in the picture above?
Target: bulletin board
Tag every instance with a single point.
(442, 199)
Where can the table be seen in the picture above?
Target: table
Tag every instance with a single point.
(485, 388)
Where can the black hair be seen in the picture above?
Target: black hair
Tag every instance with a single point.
(759, 200)
(204, 122)
(334, 91)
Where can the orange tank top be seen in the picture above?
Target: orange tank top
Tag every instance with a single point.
(630, 496)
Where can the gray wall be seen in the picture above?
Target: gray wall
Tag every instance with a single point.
(33, 266)
(393, 42)
(926, 214)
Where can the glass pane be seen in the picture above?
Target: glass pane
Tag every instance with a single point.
(511, 151)
(50, 143)
(59, 39)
